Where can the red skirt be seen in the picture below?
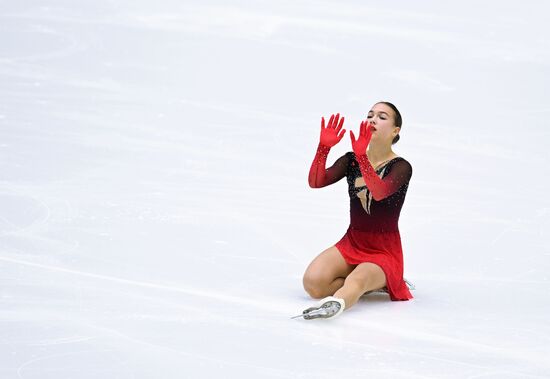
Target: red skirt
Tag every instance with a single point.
(381, 248)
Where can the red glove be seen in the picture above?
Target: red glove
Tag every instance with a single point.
(365, 134)
(319, 176)
(379, 188)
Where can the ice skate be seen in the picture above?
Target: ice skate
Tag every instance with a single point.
(327, 308)
(410, 286)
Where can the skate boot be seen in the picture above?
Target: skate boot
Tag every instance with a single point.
(327, 308)
(410, 286)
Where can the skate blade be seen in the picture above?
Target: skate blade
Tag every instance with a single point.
(319, 312)
(310, 309)
(411, 286)
(315, 313)
(308, 316)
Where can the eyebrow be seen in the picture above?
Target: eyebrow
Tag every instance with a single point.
(380, 112)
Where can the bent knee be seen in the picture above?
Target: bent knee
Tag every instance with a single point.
(315, 285)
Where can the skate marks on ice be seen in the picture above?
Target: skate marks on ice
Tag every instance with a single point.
(266, 306)
(88, 330)
(21, 213)
(460, 352)
(186, 327)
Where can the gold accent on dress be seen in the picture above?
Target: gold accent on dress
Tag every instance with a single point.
(364, 195)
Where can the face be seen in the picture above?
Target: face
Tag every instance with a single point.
(382, 118)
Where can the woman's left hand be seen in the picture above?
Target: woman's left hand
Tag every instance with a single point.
(365, 134)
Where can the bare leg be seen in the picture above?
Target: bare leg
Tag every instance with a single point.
(326, 273)
(365, 277)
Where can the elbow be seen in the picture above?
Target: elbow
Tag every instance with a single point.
(312, 181)
(313, 184)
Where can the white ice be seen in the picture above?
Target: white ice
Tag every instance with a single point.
(155, 217)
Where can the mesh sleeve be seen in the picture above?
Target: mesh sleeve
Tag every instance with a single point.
(319, 175)
(400, 174)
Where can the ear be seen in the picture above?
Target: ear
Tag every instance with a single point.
(396, 130)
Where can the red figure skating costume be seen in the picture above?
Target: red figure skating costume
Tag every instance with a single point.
(373, 233)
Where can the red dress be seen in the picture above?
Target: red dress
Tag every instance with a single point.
(373, 233)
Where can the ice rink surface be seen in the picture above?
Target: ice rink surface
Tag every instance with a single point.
(155, 216)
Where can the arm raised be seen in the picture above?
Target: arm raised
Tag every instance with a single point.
(319, 176)
(400, 173)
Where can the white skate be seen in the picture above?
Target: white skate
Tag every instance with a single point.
(329, 307)
(410, 286)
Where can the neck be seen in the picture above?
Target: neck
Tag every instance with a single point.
(378, 153)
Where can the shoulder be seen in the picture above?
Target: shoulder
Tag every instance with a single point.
(401, 165)
(345, 159)
(350, 157)
(401, 161)
(342, 163)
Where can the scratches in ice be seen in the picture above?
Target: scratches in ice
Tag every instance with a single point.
(269, 306)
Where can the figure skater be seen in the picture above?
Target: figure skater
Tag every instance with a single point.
(369, 256)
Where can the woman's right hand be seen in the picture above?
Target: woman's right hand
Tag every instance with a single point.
(333, 133)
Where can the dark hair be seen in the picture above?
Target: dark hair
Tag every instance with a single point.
(398, 119)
